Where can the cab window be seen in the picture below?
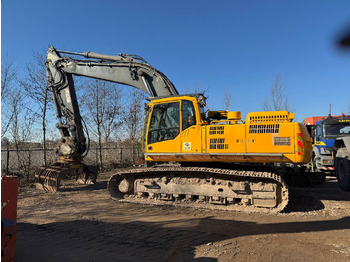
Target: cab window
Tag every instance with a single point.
(164, 123)
(188, 114)
(318, 131)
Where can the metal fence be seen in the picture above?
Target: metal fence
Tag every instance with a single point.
(15, 161)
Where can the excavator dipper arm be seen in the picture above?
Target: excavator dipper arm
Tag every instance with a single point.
(124, 69)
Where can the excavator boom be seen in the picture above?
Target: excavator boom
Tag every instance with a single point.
(131, 70)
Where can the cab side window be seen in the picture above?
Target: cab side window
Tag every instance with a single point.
(188, 114)
(318, 131)
(164, 123)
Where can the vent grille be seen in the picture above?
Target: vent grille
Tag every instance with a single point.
(269, 118)
(216, 130)
(281, 141)
(264, 129)
(218, 143)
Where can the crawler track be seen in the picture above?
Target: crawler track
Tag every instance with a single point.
(201, 187)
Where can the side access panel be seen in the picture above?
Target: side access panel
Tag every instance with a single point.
(229, 139)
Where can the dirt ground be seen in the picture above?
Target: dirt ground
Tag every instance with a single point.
(82, 223)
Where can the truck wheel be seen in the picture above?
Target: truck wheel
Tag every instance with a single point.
(342, 170)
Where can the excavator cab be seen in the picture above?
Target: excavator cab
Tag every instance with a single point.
(170, 122)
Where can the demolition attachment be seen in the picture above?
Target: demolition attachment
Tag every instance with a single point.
(49, 178)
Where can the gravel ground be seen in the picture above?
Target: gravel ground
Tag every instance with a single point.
(82, 223)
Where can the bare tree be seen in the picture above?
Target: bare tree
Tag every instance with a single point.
(21, 130)
(8, 77)
(35, 85)
(8, 74)
(133, 118)
(278, 99)
(227, 99)
(195, 89)
(101, 103)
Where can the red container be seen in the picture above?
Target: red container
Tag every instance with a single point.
(9, 194)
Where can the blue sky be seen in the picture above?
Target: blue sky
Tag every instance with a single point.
(215, 46)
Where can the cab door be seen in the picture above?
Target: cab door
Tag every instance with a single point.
(191, 135)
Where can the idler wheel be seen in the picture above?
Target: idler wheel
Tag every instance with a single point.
(126, 185)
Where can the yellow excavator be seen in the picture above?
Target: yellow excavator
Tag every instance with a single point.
(194, 157)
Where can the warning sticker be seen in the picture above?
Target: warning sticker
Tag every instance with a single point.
(187, 146)
(68, 99)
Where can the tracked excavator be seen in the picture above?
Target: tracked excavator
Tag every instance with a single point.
(194, 157)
